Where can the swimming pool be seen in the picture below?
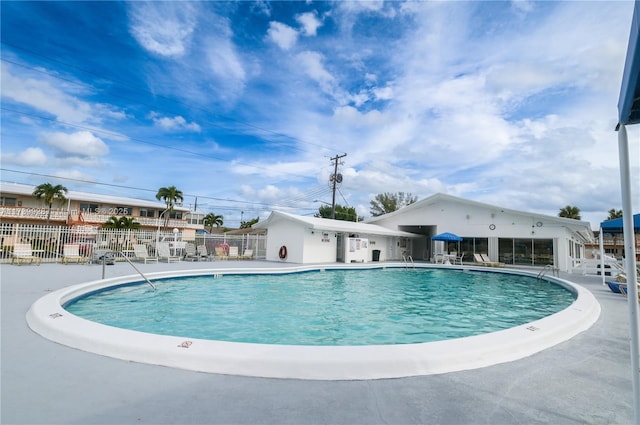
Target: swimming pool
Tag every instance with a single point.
(48, 318)
(336, 307)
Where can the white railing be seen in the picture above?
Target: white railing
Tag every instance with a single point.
(57, 214)
(47, 242)
(592, 266)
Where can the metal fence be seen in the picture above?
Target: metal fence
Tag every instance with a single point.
(47, 242)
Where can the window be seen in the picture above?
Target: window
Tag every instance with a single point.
(89, 208)
(123, 210)
(7, 202)
(146, 213)
(176, 214)
(526, 251)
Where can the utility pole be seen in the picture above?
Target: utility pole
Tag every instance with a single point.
(334, 178)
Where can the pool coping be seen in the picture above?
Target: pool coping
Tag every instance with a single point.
(48, 318)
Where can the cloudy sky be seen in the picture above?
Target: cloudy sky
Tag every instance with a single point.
(242, 105)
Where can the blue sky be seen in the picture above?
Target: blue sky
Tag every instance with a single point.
(243, 104)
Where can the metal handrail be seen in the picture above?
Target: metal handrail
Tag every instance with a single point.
(408, 259)
(543, 272)
(128, 261)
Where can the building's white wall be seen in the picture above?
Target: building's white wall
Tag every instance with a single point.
(319, 246)
(289, 234)
(469, 220)
(379, 243)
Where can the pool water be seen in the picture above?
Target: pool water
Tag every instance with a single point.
(334, 307)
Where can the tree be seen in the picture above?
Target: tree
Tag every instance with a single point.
(613, 214)
(121, 223)
(342, 213)
(170, 195)
(248, 224)
(387, 202)
(50, 193)
(211, 220)
(570, 212)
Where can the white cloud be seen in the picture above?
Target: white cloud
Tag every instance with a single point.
(282, 35)
(43, 95)
(310, 23)
(224, 62)
(30, 157)
(81, 144)
(163, 28)
(176, 123)
(312, 65)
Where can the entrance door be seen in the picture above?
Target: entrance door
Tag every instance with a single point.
(340, 248)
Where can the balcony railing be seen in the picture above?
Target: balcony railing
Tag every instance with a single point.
(26, 214)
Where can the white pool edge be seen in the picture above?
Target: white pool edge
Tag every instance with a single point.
(48, 318)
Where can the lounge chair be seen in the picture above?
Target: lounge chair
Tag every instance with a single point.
(247, 254)
(71, 252)
(22, 252)
(203, 254)
(165, 253)
(483, 260)
(623, 290)
(233, 253)
(141, 254)
(190, 253)
(487, 260)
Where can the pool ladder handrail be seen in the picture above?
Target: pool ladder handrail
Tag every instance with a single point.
(555, 270)
(408, 259)
(104, 259)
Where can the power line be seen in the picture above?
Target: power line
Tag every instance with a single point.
(244, 206)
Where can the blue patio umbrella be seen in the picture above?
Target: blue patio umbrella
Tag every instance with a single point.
(446, 237)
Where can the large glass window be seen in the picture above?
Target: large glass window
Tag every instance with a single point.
(472, 246)
(523, 251)
(505, 250)
(542, 252)
(526, 251)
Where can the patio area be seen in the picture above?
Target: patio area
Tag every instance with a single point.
(586, 380)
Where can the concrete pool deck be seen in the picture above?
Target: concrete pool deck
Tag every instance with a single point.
(584, 380)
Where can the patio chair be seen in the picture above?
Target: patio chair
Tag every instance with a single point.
(233, 253)
(71, 252)
(22, 252)
(458, 259)
(165, 253)
(141, 254)
(483, 260)
(247, 254)
(203, 254)
(624, 290)
(190, 253)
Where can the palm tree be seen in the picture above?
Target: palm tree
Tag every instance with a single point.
(121, 223)
(170, 195)
(570, 212)
(211, 220)
(613, 214)
(50, 193)
(112, 223)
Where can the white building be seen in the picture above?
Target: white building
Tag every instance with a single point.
(506, 235)
(300, 239)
